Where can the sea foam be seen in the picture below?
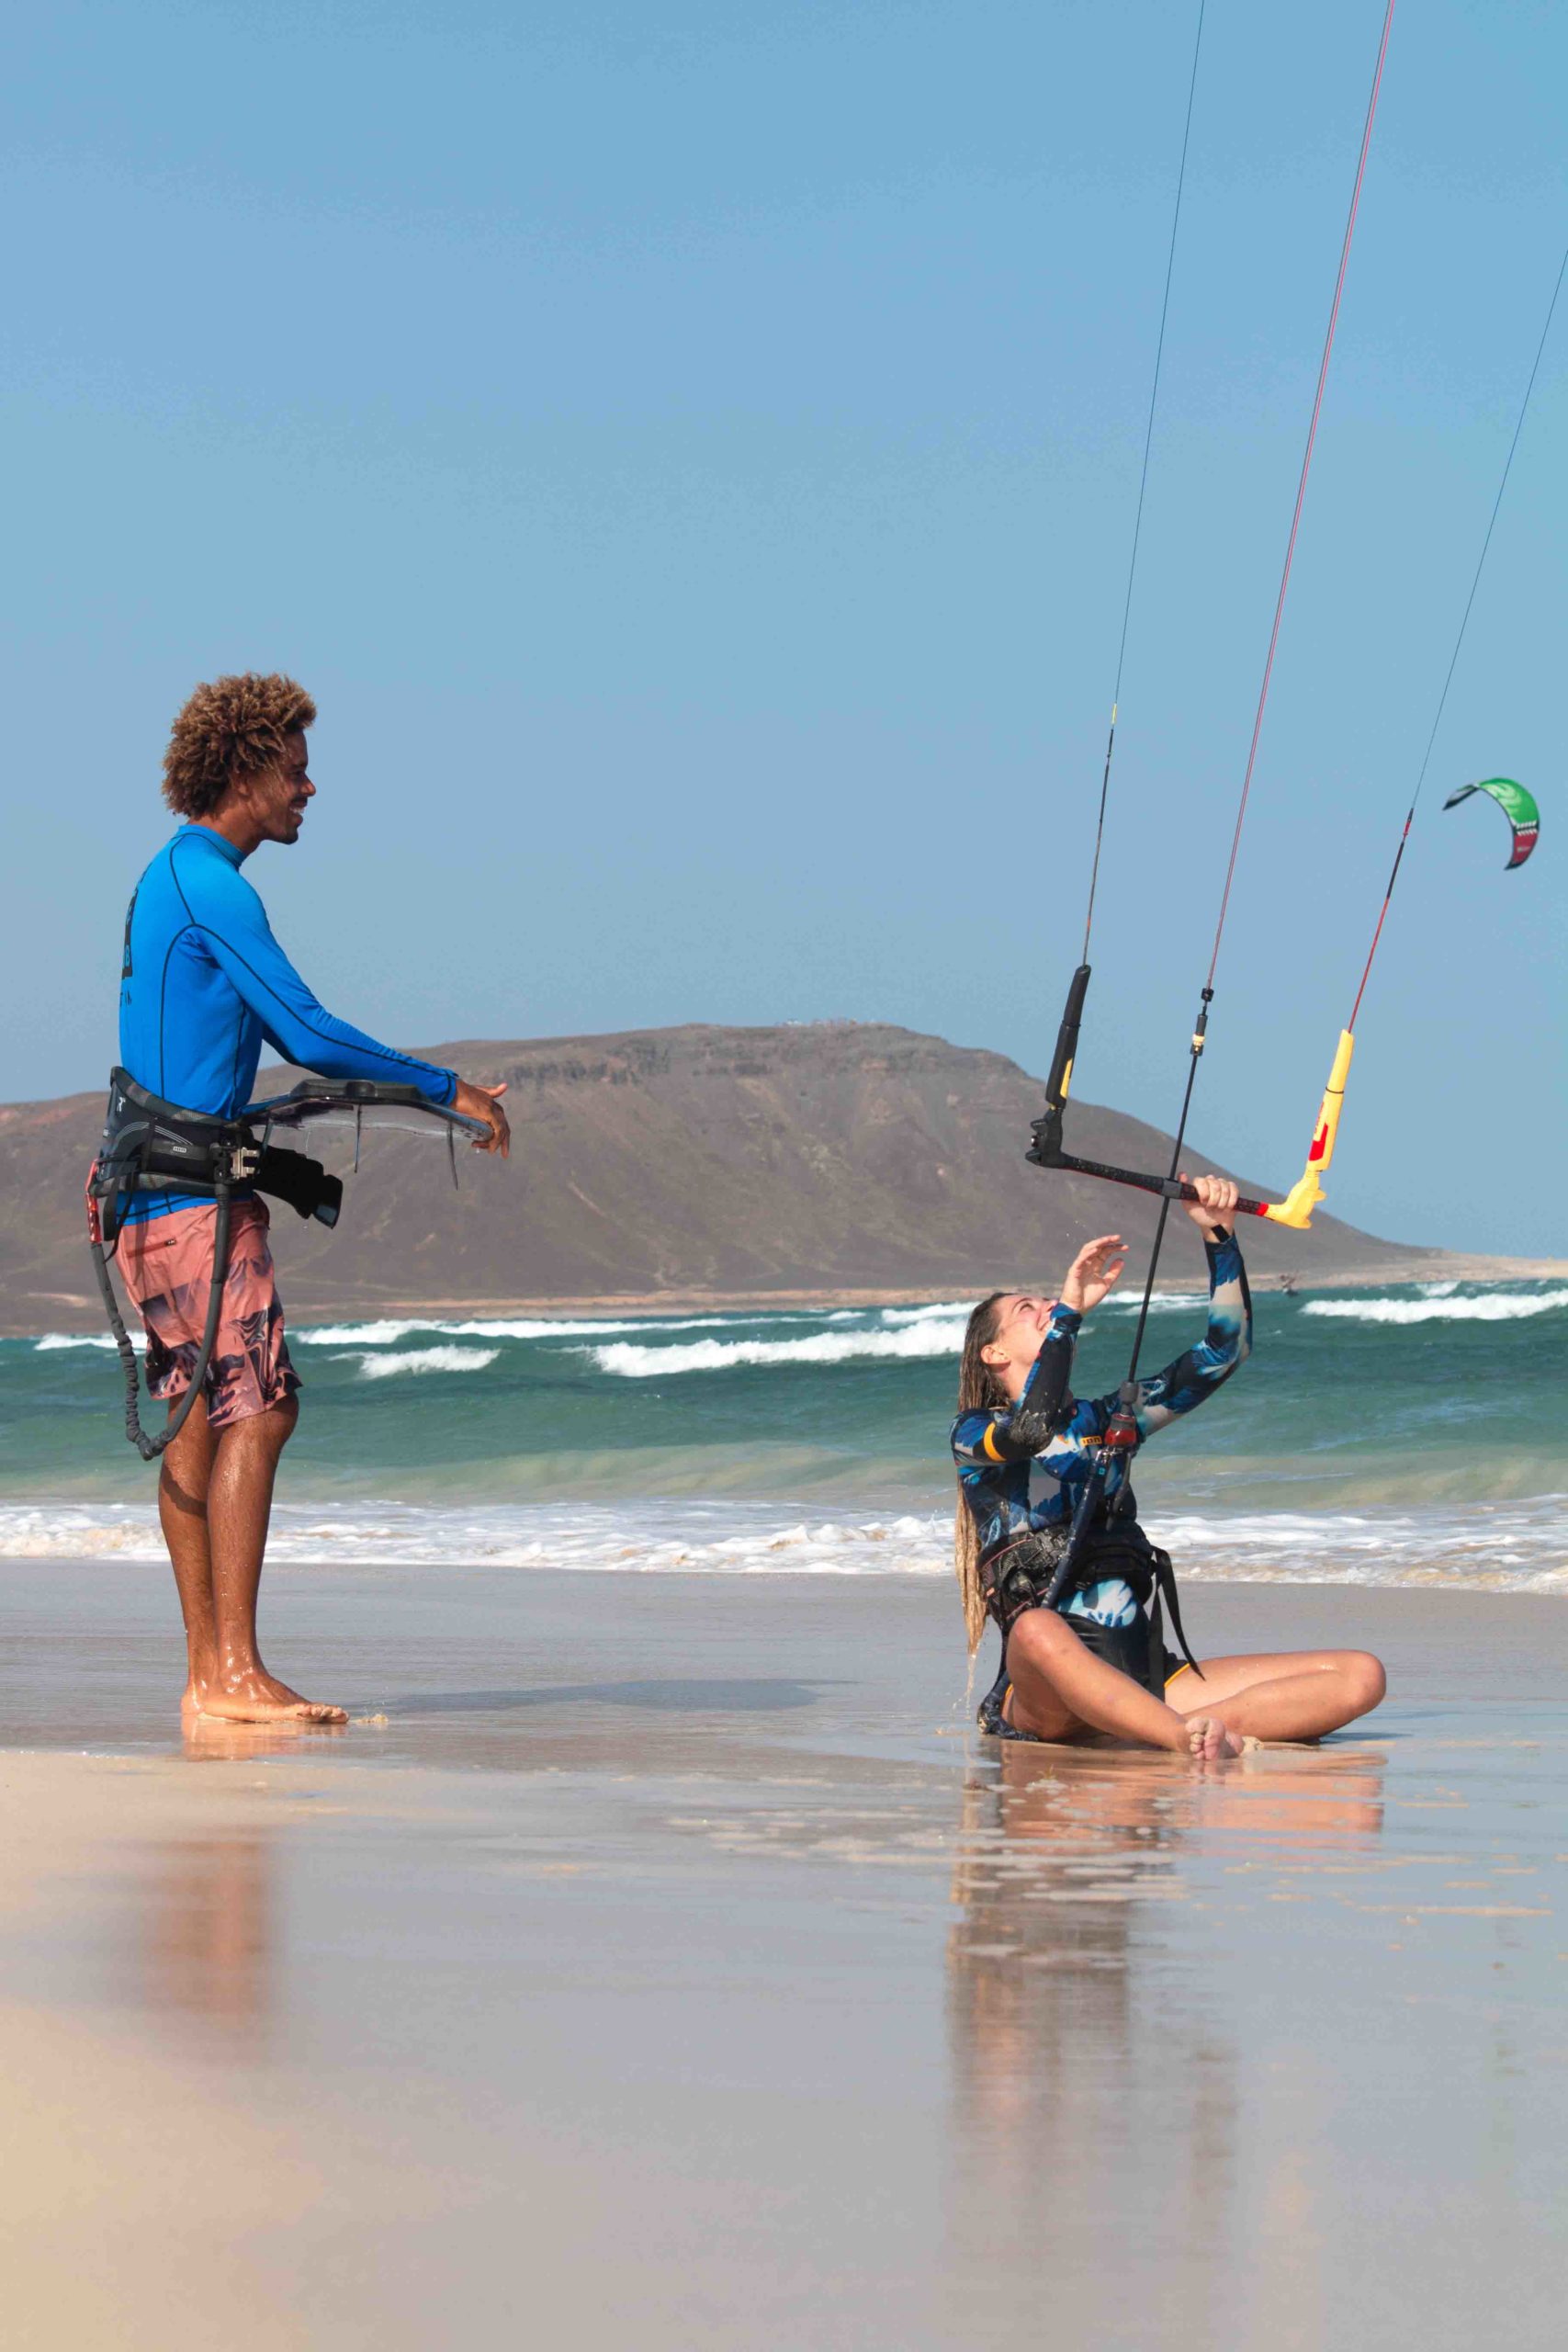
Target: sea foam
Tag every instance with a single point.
(51, 1341)
(1499, 1547)
(380, 1368)
(385, 1332)
(628, 1362)
(1491, 1306)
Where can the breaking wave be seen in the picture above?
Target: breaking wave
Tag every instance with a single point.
(386, 1332)
(1132, 1300)
(55, 1340)
(628, 1362)
(375, 1367)
(1441, 1305)
(1502, 1547)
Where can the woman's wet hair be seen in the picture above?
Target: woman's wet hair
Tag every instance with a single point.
(978, 1389)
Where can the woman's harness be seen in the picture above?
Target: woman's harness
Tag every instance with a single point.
(150, 1145)
(1044, 1569)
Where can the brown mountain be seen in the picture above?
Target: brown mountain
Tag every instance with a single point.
(669, 1165)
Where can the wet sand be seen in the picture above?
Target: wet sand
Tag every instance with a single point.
(671, 1968)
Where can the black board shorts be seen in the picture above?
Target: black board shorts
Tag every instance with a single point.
(1126, 1647)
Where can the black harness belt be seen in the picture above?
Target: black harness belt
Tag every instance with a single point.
(1045, 1568)
(151, 1145)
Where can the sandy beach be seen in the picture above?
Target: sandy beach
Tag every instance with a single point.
(665, 1965)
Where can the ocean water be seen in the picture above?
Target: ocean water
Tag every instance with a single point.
(1407, 1435)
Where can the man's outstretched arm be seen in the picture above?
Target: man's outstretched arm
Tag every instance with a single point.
(232, 921)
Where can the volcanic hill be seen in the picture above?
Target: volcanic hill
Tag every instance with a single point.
(670, 1166)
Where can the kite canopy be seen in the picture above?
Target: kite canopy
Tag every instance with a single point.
(1517, 806)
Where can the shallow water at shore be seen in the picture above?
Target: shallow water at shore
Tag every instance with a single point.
(1390, 1436)
(672, 1966)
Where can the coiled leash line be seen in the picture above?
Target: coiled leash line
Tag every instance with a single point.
(150, 1448)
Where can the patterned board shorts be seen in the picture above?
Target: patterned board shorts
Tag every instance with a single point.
(166, 1264)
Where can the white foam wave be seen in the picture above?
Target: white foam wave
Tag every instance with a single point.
(732, 1539)
(51, 1341)
(1490, 1307)
(377, 1367)
(629, 1362)
(386, 1332)
(1499, 1547)
(1516, 1546)
(1181, 1301)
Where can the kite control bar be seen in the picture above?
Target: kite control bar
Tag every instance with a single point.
(325, 1098)
(1046, 1151)
(1167, 1188)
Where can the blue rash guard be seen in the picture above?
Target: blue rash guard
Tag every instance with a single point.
(204, 982)
(995, 1448)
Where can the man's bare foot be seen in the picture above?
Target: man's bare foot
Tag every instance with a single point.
(261, 1698)
(207, 1739)
(1208, 1742)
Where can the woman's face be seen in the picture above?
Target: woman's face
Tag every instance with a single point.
(1021, 1320)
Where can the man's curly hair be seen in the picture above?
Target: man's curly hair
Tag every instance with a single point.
(233, 727)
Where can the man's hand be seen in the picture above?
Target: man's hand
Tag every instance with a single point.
(484, 1103)
(1093, 1272)
(1213, 1211)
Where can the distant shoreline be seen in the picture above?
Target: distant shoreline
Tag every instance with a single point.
(72, 1310)
(701, 1168)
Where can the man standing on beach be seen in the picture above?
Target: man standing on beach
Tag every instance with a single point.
(203, 983)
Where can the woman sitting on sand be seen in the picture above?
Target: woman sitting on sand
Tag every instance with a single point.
(1096, 1664)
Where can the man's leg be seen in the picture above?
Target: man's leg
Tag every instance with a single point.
(182, 1512)
(238, 1505)
(215, 1493)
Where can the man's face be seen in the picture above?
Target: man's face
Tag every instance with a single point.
(277, 800)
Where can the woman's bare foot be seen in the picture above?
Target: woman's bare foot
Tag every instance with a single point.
(1208, 1742)
(261, 1698)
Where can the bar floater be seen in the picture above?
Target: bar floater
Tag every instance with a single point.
(1304, 1197)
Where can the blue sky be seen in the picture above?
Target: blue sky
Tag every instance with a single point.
(690, 454)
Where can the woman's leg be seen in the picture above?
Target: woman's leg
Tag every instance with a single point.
(1060, 1690)
(1289, 1694)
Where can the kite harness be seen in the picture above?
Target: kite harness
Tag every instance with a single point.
(150, 1145)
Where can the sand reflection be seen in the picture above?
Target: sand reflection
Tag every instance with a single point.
(1086, 2037)
(209, 1933)
(207, 1926)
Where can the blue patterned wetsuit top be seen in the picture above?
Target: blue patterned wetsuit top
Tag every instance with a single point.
(997, 1448)
(204, 983)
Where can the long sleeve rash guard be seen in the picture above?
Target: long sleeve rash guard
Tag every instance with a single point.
(996, 1448)
(204, 983)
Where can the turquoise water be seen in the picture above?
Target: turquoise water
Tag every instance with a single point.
(1384, 1436)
